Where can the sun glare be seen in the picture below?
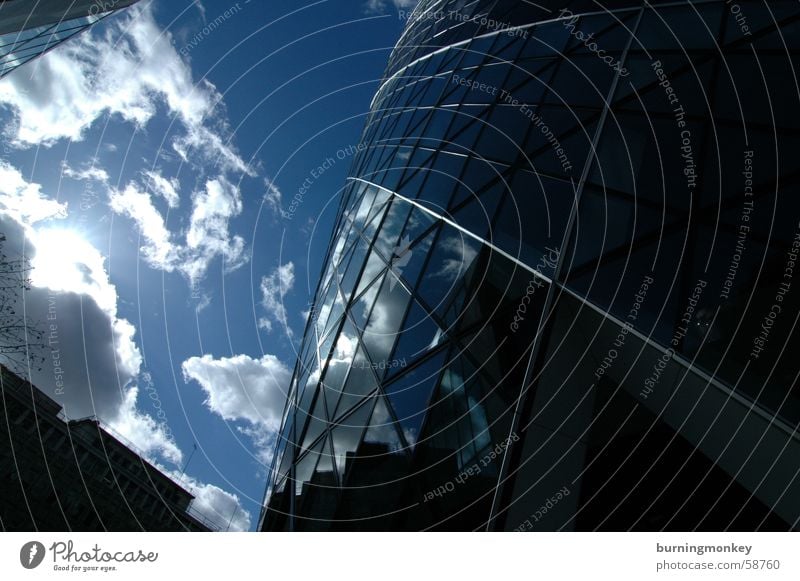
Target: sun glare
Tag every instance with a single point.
(65, 261)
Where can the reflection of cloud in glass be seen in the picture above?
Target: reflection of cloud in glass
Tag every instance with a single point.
(344, 350)
(304, 470)
(325, 309)
(382, 431)
(347, 436)
(463, 255)
(468, 414)
(414, 222)
(340, 361)
(411, 435)
(313, 377)
(372, 269)
(372, 199)
(336, 256)
(384, 323)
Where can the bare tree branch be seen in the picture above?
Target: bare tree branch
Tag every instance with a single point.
(22, 340)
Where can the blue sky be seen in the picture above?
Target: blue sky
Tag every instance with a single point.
(148, 170)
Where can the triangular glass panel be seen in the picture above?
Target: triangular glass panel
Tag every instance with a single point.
(347, 436)
(380, 334)
(361, 307)
(418, 223)
(381, 436)
(327, 343)
(323, 307)
(305, 468)
(388, 238)
(449, 262)
(419, 335)
(359, 217)
(348, 279)
(316, 423)
(339, 364)
(369, 230)
(360, 383)
(584, 82)
(478, 176)
(325, 467)
(410, 394)
(381, 197)
(374, 267)
(318, 503)
(305, 403)
(342, 266)
(286, 462)
(335, 316)
(408, 261)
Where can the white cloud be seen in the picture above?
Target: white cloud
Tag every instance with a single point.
(263, 442)
(272, 196)
(463, 254)
(24, 201)
(158, 249)
(64, 262)
(201, 9)
(126, 72)
(166, 188)
(221, 507)
(96, 351)
(150, 437)
(206, 238)
(91, 173)
(208, 235)
(129, 71)
(382, 6)
(273, 288)
(215, 504)
(98, 358)
(243, 388)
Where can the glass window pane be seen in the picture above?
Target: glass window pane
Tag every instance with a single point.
(316, 423)
(410, 395)
(347, 436)
(380, 333)
(360, 383)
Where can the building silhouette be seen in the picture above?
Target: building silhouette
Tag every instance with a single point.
(576, 225)
(30, 29)
(58, 475)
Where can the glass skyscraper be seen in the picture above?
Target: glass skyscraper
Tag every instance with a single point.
(29, 29)
(562, 290)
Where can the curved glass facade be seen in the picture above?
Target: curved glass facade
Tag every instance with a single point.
(559, 294)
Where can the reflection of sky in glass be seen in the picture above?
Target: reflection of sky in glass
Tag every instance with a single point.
(347, 436)
(360, 382)
(458, 255)
(384, 323)
(339, 364)
(382, 430)
(472, 426)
